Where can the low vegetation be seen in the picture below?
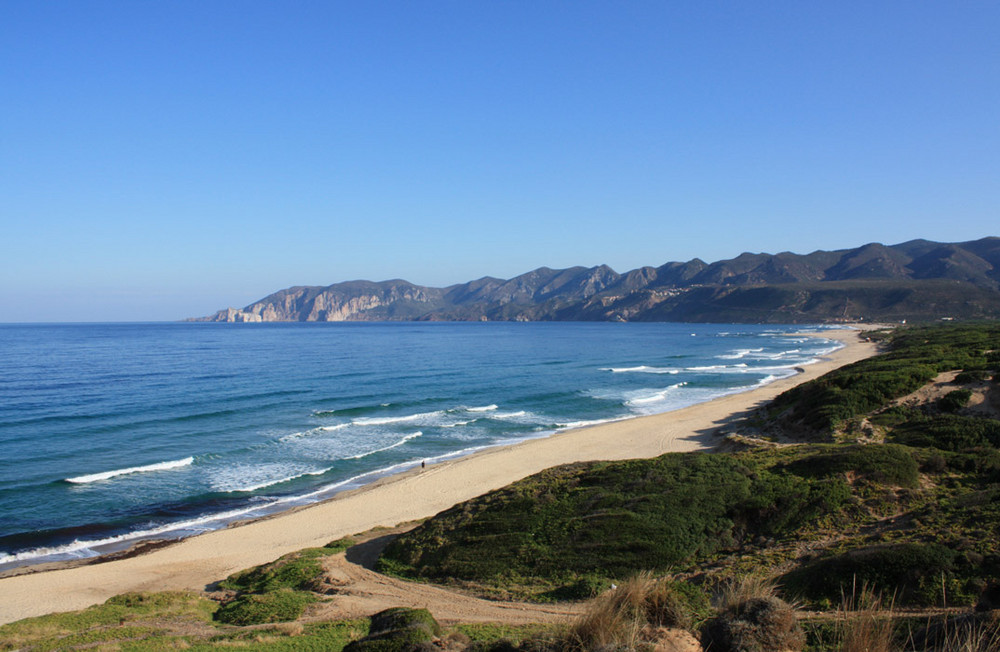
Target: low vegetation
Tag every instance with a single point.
(276, 592)
(397, 630)
(751, 616)
(568, 530)
(914, 357)
(916, 516)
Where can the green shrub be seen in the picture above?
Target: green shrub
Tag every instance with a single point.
(954, 401)
(892, 569)
(948, 432)
(397, 629)
(915, 357)
(585, 587)
(573, 526)
(273, 607)
(882, 463)
(296, 570)
(972, 376)
(403, 618)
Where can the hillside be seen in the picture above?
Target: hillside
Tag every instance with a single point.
(899, 489)
(917, 281)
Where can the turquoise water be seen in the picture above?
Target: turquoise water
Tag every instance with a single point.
(111, 433)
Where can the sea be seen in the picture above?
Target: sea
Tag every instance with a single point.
(115, 434)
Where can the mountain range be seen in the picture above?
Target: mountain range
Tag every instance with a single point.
(917, 280)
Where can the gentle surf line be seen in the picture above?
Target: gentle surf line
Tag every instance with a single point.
(386, 448)
(107, 475)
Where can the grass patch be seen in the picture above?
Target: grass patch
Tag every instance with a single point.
(297, 570)
(127, 617)
(260, 608)
(484, 636)
(309, 637)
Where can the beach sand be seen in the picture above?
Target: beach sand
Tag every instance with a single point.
(199, 561)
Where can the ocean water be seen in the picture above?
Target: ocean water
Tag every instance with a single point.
(115, 433)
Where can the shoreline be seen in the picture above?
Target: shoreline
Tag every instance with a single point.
(198, 561)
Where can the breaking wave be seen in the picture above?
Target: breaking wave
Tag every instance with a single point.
(107, 475)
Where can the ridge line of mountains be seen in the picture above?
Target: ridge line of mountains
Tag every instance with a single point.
(917, 280)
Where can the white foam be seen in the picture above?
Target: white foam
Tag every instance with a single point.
(584, 424)
(83, 549)
(735, 368)
(306, 433)
(107, 475)
(509, 415)
(385, 448)
(739, 353)
(642, 369)
(645, 397)
(458, 424)
(485, 408)
(382, 421)
(246, 478)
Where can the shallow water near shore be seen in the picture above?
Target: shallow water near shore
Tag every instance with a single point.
(111, 433)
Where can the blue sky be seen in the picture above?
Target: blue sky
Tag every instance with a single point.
(160, 160)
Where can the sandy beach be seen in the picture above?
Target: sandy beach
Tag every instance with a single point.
(198, 561)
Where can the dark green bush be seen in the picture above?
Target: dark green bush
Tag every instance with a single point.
(583, 588)
(901, 570)
(954, 401)
(396, 630)
(574, 525)
(883, 463)
(948, 432)
(256, 609)
(972, 376)
(403, 618)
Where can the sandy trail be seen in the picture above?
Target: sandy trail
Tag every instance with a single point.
(358, 592)
(199, 561)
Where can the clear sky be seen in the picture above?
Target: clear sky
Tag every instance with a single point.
(160, 160)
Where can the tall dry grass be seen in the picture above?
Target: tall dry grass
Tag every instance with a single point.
(742, 590)
(865, 622)
(969, 633)
(617, 619)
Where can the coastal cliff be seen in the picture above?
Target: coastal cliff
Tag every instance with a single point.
(916, 280)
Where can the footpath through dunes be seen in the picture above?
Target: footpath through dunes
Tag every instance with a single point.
(199, 561)
(359, 592)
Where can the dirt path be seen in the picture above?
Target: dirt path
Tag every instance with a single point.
(359, 592)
